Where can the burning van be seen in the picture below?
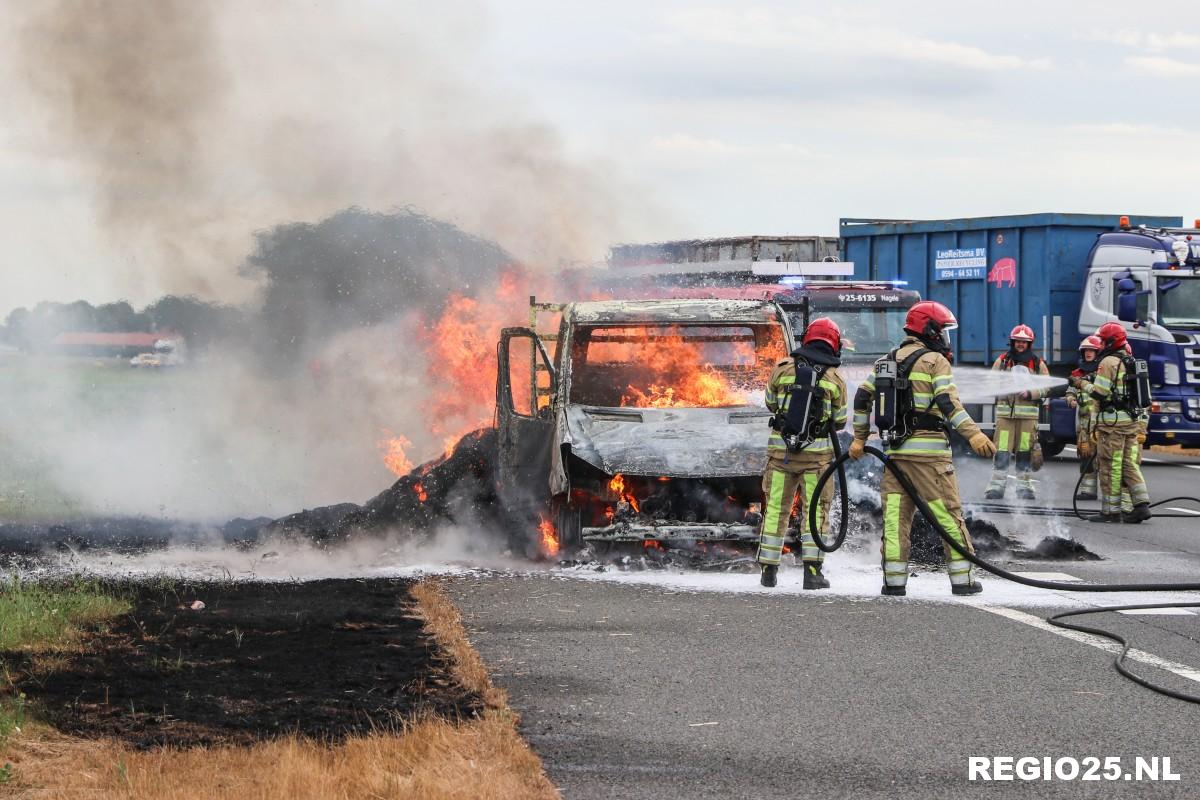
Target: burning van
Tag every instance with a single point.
(647, 425)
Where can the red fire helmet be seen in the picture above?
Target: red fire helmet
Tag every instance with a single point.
(1091, 343)
(823, 329)
(1112, 335)
(1021, 333)
(930, 319)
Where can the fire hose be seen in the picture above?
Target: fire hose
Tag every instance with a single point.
(1057, 620)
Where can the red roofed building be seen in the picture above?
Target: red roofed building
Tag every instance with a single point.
(97, 343)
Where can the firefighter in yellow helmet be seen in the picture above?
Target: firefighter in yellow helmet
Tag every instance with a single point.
(924, 453)
(1017, 419)
(1079, 397)
(808, 397)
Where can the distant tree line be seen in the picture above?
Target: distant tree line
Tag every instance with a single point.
(352, 269)
(200, 322)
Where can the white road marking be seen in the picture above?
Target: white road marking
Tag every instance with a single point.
(1153, 460)
(1048, 576)
(1158, 612)
(1191, 466)
(1182, 670)
(1191, 511)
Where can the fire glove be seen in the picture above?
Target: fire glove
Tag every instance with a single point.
(1141, 438)
(856, 449)
(982, 445)
(1084, 448)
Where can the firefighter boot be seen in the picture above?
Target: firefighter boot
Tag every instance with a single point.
(770, 575)
(1140, 513)
(997, 486)
(893, 591)
(1025, 487)
(813, 578)
(1103, 518)
(966, 588)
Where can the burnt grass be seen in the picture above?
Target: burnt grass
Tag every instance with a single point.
(322, 659)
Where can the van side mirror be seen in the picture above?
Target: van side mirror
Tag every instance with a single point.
(1126, 286)
(1166, 286)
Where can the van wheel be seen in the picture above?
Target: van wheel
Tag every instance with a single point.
(568, 522)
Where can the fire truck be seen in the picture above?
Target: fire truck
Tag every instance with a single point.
(802, 274)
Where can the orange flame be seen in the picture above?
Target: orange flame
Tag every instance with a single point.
(549, 536)
(653, 544)
(617, 484)
(460, 367)
(393, 447)
(680, 372)
(422, 495)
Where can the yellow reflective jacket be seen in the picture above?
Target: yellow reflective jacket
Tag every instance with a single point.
(1013, 406)
(779, 395)
(931, 376)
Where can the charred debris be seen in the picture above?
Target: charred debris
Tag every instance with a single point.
(459, 489)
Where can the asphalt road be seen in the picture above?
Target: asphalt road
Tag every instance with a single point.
(690, 687)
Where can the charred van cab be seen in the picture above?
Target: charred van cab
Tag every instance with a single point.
(647, 424)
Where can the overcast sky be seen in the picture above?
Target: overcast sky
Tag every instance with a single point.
(713, 119)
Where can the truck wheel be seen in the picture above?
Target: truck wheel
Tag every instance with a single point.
(1052, 447)
(568, 521)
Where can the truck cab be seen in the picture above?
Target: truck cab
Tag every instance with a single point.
(1149, 279)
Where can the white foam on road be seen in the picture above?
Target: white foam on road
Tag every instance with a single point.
(859, 579)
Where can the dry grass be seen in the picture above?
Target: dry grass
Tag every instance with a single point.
(444, 623)
(433, 759)
(482, 758)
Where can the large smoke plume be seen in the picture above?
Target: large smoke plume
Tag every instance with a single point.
(218, 143)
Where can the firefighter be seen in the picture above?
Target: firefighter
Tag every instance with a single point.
(1143, 421)
(1117, 427)
(1079, 397)
(924, 455)
(1016, 419)
(799, 450)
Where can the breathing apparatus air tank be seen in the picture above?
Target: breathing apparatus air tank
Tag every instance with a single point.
(1139, 386)
(888, 384)
(799, 425)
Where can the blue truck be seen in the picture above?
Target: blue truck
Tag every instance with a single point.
(1063, 275)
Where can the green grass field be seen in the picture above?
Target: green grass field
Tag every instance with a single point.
(44, 618)
(35, 394)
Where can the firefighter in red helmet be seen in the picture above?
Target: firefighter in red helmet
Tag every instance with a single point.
(1017, 418)
(808, 397)
(924, 453)
(1118, 426)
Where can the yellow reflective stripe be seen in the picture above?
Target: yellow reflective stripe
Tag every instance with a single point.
(947, 521)
(810, 493)
(920, 376)
(1114, 483)
(1025, 444)
(960, 417)
(1002, 441)
(891, 528)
